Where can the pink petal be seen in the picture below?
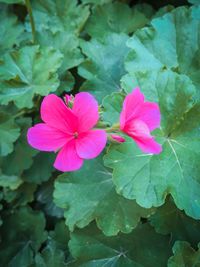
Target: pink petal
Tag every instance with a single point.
(140, 133)
(46, 138)
(90, 144)
(118, 138)
(150, 114)
(67, 159)
(148, 145)
(86, 109)
(131, 105)
(137, 128)
(56, 114)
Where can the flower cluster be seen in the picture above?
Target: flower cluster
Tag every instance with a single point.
(68, 127)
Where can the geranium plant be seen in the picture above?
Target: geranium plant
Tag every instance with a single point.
(99, 133)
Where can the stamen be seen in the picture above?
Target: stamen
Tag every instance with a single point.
(75, 135)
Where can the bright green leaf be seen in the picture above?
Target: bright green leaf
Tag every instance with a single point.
(10, 31)
(67, 43)
(105, 65)
(163, 45)
(150, 178)
(112, 105)
(88, 197)
(117, 17)
(27, 72)
(59, 15)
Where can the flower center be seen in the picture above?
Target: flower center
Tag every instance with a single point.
(75, 135)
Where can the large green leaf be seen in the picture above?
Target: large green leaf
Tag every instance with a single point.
(117, 17)
(184, 255)
(63, 15)
(21, 237)
(67, 43)
(170, 220)
(142, 248)
(164, 45)
(27, 72)
(105, 64)
(150, 178)
(89, 194)
(9, 132)
(10, 31)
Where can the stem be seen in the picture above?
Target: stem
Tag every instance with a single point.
(29, 9)
(114, 128)
(22, 112)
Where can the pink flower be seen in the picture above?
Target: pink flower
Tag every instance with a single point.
(69, 131)
(138, 118)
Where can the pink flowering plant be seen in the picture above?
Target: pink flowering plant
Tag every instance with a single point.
(69, 130)
(99, 133)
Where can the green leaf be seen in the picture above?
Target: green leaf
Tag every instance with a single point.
(10, 31)
(170, 220)
(27, 72)
(56, 251)
(162, 45)
(22, 157)
(21, 237)
(41, 169)
(44, 195)
(112, 105)
(184, 255)
(12, 1)
(195, 2)
(9, 132)
(117, 17)
(59, 15)
(96, 2)
(67, 43)
(21, 196)
(86, 198)
(13, 182)
(150, 178)
(105, 64)
(142, 248)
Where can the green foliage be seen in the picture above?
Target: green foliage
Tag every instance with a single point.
(184, 255)
(124, 208)
(26, 72)
(86, 200)
(91, 248)
(103, 70)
